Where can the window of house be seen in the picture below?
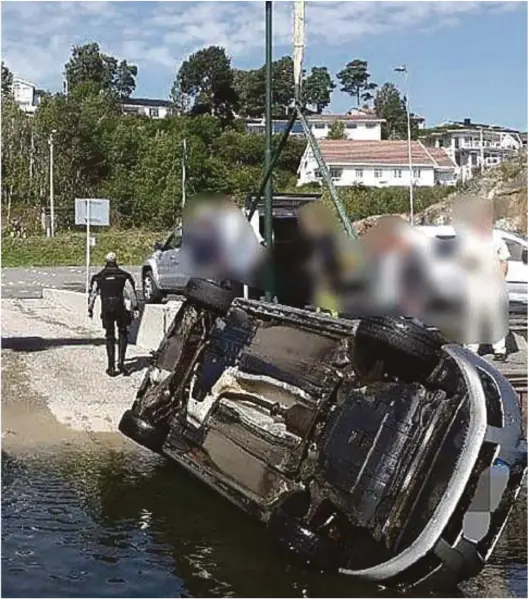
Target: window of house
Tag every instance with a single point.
(336, 173)
(351, 126)
(359, 173)
(371, 125)
(319, 125)
(153, 112)
(417, 173)
(397, 173)
(317, 173)
(378, 173)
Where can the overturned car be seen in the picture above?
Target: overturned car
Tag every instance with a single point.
(370, 447)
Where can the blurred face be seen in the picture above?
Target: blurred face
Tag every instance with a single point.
(483, 221)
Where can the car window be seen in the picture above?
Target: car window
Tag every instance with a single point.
(446, 246)
(173, 242)
(515, 250)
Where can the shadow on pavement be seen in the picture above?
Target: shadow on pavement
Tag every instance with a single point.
(30, 344)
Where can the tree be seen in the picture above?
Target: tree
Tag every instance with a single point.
(250, 87)
(7, 79)
(354, 80)
(123, 80)
(317, 88)
(180, 102)
(337, 130)
(206, 76)
(283, 92)
(389, 105)
(88, 65)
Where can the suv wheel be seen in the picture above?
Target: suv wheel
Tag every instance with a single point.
(408, 350)
(210, 295)
(151, 291)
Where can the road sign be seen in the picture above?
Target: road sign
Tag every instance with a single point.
(98, 209)
(91, 212)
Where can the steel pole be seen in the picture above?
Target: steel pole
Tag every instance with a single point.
(268, 190)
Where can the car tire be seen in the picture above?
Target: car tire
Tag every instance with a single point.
(151, 292)
(209, 295)
(151, 436)
(409, 351)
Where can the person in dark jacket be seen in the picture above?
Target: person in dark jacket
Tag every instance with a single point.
(110, 284)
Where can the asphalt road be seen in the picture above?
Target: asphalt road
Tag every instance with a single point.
(27, 283)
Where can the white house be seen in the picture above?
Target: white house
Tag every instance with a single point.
(26, 95)
(379, 164)
(474, 146)
(155, 109)
(362, 124)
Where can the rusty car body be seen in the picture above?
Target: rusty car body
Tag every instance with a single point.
(369, 447)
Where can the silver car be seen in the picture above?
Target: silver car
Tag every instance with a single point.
(162, 273)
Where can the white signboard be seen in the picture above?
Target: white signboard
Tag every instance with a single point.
(91, 212)
(99, 211)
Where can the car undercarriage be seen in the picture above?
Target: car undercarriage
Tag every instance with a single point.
(369, 447)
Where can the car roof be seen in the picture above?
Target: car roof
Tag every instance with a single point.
(437, 230)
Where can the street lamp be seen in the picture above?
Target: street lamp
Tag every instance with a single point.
(51, 191)
(403, 69)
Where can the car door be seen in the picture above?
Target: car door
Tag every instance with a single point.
(168, 264)
(517, 276)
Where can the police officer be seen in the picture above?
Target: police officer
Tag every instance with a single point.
(110, 284)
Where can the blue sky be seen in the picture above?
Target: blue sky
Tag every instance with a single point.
(466, 59)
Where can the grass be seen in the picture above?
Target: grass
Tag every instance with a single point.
(69, 249)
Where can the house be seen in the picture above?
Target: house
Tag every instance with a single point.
(362, 124)
(418, 121)
(379, 164)
(155, 109)
(474, 146)
(26, 95)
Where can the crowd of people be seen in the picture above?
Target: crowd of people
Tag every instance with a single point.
(394, 269)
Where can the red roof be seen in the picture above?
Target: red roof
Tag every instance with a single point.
(339, 152)
(358, 116)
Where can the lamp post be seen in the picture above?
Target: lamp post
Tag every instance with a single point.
(403, 69)
(51, 190)
(268, 191)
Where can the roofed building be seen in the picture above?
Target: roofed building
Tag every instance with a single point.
(362, 124)
(474, 146)
(379, 164)
(155, 109)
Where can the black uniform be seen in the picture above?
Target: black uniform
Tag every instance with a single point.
(110, 283)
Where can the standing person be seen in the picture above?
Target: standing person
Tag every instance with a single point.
(110, 284)
(484, 256)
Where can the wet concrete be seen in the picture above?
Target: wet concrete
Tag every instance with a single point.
(86, 513)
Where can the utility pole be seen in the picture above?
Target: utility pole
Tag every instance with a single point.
(403, 69)
(268, 191)
(51, 190)
(31, 152)
(481, 151)
(184, 174)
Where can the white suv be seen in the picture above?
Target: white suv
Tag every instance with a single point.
(517, 277)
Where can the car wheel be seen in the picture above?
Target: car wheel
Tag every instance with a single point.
(409, 351)
(209, 295)
(151, 436)
(151, 291)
